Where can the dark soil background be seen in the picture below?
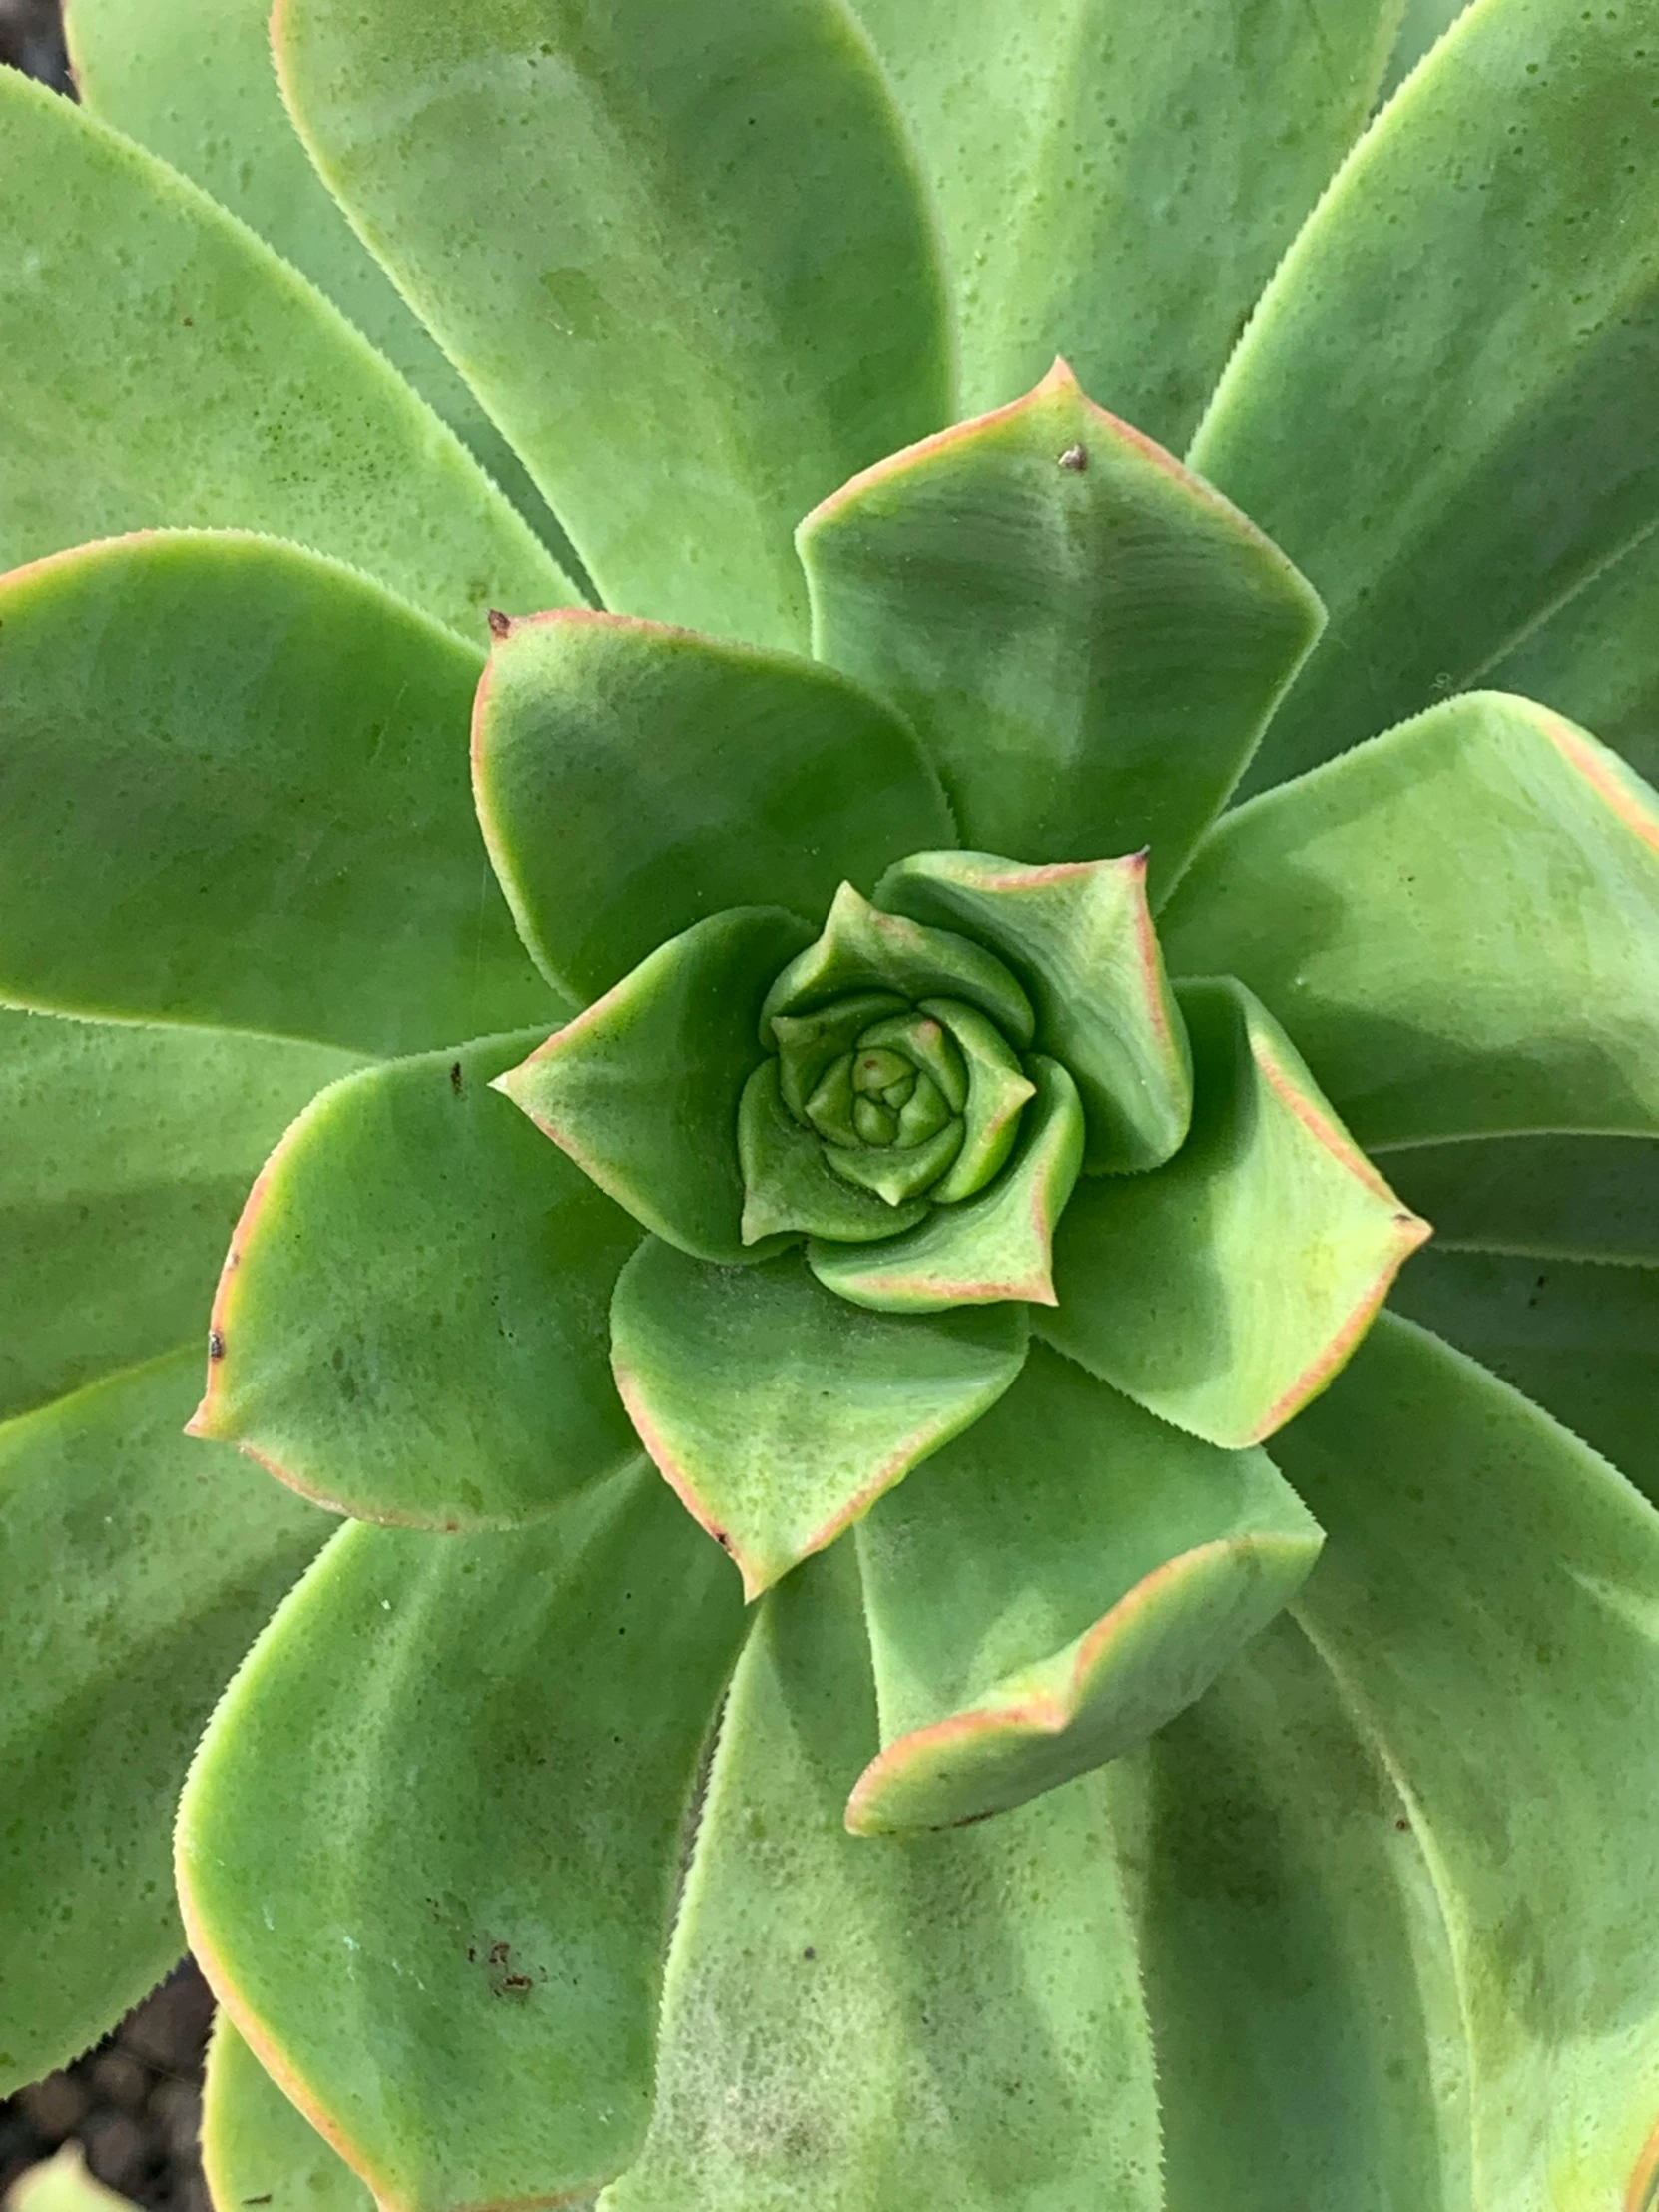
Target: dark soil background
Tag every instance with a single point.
(31, 38)
(135, 2103)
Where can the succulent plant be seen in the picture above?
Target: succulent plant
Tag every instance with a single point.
(1168, 1732)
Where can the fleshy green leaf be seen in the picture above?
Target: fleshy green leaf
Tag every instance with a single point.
(1061, 1581)
(136, 1568)
(412, 1323)
(862, 950)
(258, 2148)
(997, 1090)
(1585, 1198)
(996, 1244)
(779, 1411)
(1080, 939)
(1597, 658)
(1459, 924)
(955, 2021)
(1440, 409)
(1087, 639)
(1224, 1289)
(1106, 181)
(164, 366)
(1490, 1601)
(1581, 1341)
(1304, 2017)
(633, 780)
(192, 80)
(427, 1850)
(643, 1089)
(235, 792)
(125, 1156)
(695, 281)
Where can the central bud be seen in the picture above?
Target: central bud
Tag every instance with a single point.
(908, 1098)
(892, 1084)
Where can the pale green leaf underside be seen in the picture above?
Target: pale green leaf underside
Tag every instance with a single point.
(165, 367)
(193, 81)
(258, 2148)
(1581, 1341)
(779, 1411)
(1490, 1600)
(1440, 410)
(951, 2021)
(427, 1851)
(633, 780)
(125, 1155)
(1458, 924)
(1059, 1582)
(136, 1568)
(693, 283)
(1106, 183)
(1086, 638)
(62, 2183)
(641, 1089)
(411, 1325)
(234, 793)
(1298, 1981)
(1222, 1290)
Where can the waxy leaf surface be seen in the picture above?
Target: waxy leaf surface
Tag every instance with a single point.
(1105, 178)
(412, 1324)
(633, 780)
(1080, 939)
(1583, 1198)
(1304, 2010)
(137, 1567)
(954, 2020)
(1223, 1291)
(1580, 1339)
(125, 1155)
(643, 1089)
(1440, 406)
(233, 793)
(994, 1246)
(258, 2148)
(1489, 1600)
(1087, 639)
(193, 81)
(779, 1411)
(166, 367)
(1058, 1583)
(427, 1851)
(695, 281)
(1459, 924)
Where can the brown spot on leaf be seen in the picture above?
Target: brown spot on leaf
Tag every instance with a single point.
(216, 1344)
(455, 1077)
(1075, 458)
(499, 623)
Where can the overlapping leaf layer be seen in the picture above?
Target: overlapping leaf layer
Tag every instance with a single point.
(1191, 1736)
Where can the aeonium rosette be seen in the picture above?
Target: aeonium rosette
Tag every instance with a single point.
(880, 1076)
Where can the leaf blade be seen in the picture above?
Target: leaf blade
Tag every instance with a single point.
(767, 193)
(778, 1412)
(524, 1768)
(133, 326)
(258, 752)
